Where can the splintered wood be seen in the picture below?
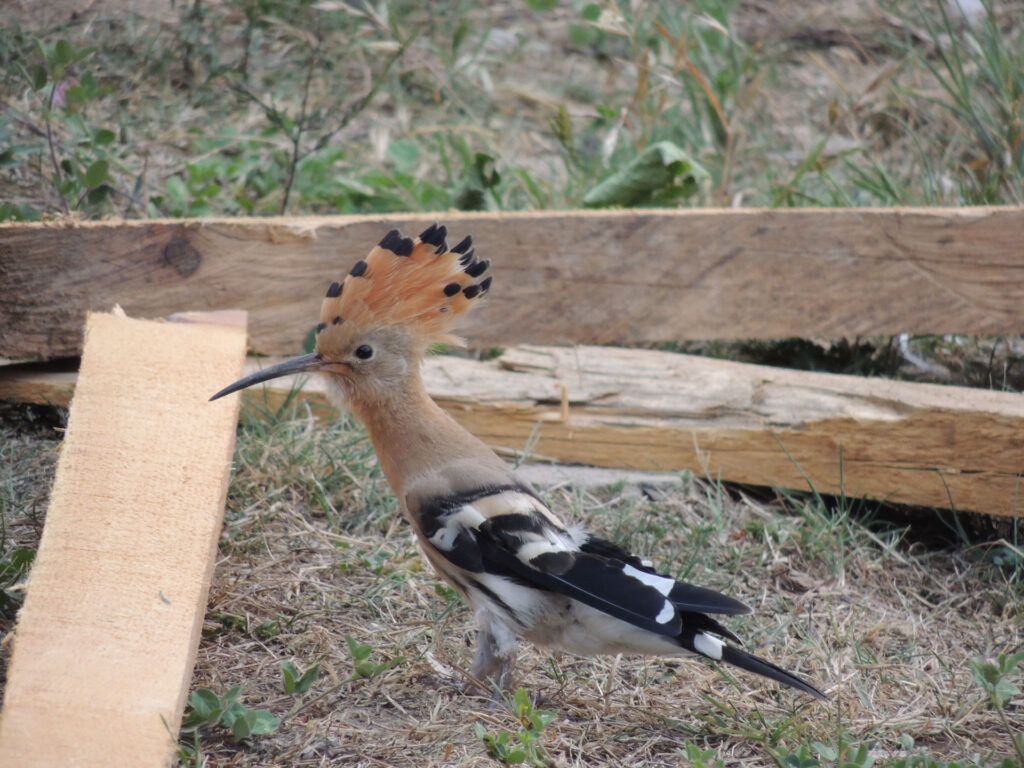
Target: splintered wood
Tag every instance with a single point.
(894, 440)
(898, 441)
(636, 409)
(106, 640)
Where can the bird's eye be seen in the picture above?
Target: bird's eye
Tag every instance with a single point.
(364, 352)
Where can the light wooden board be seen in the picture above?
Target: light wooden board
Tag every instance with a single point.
(105, 642)
(594, 277)
(910, 443)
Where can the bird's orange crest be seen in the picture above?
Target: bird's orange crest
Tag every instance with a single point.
(420, 284)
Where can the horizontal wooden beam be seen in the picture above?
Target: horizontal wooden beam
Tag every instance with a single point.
(909, 443)
(105, 642)
(594, 277)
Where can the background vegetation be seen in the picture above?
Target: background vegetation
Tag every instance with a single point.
(342, 648)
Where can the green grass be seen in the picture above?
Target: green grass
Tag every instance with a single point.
(266, 107)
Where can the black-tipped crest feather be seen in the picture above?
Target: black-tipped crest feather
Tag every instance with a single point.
(434, 235)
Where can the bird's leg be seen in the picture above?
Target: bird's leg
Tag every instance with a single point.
(495, 653)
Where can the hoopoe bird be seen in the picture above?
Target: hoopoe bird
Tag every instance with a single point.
(523, 571)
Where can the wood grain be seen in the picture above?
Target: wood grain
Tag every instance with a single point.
(105, 642)
(594, 277)
(910, 443)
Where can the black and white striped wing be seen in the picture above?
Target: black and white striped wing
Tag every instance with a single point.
(507, 531)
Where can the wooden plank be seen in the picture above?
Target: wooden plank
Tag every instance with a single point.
(105, 642)
(910, 443)
(596, 277)
(904, 442)
(29, 384)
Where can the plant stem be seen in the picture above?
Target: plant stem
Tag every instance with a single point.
(58, 176)
(300, 125)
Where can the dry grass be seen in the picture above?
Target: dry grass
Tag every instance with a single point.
(887, 627)
(313, 550)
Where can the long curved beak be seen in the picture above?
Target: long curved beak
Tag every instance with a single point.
(301, 364)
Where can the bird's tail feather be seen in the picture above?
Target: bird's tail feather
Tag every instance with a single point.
(759, 666)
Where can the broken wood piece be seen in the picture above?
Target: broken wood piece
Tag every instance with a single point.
(566, 277)
(909, 443)
(106, 640)
(899, 441)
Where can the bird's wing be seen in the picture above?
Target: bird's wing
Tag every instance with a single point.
(504, 529)
(684, 596)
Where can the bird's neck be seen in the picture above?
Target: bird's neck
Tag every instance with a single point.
(411, 434)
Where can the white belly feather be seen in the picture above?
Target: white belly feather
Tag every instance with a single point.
(561, 623)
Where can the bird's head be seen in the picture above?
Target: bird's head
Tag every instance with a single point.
(377, 323)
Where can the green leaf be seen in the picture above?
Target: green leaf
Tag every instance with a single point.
(582, 35)
(542, 5)
(561, 126)
(461, 29)
(177, 191)
(97, 173)
(73, 96)
(63, 52)
(103, 136)
(253, 722)
(361, 666)
(98, 194)
(39, 77)
(827, 752)
(296, 683)
(404, 154)
(264, 722)
(660, 173)
(521, 702)
(591, 12)
(17, 563)
(862, 758)
(231, 697)
(542, 718)
(355, 186)
(289, 673)
(485, 169)
(231, 714)
(470, 198)
(241, 727)
(1004, 691)
(1008, 663)
(204, 702)
(991, 676)
(356, 651)
(309, 677)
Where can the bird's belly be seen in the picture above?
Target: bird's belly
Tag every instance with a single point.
(576, 628)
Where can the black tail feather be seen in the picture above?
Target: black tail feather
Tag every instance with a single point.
(759, 666)
(698, 622)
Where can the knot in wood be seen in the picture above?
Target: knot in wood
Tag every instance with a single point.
(182, 257)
